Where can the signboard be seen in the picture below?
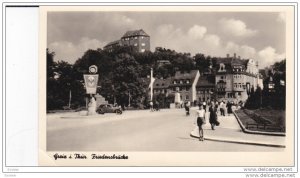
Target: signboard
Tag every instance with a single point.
(91, 83)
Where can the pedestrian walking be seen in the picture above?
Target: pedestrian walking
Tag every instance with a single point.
(151, 106)
(204, 105)
(200, 116)
(222, 108)
(229, 107)
(187, 108)
(213, 118)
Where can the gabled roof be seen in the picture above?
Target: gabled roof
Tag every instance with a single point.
(140, 32)
(236, 61)
(232, 61)
(161, 83)
(184, 76)
(224, 60)
(204, 82)
(113, 43)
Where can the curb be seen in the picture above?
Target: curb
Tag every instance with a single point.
(256, 132)
(239, 142)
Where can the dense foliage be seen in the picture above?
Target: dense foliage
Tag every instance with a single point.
(274, 98)
(122, 75)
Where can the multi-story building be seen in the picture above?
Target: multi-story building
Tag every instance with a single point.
(110, 46)
(185, 83)
(235, 76)
(161, 86)
(206, 88)
(139, 40)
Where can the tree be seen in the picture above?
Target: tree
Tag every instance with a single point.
(60, 81)
(202, 62)
(126, 81)
(276, 97)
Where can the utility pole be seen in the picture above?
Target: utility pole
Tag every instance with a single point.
(129, 99)
(70, 98)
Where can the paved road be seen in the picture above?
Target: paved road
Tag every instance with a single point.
(166, 130)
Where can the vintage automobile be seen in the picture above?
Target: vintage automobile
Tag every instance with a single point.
(108, 108)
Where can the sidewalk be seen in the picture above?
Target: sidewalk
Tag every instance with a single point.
(230, 131)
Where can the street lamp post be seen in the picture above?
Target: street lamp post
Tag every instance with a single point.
(70, 95)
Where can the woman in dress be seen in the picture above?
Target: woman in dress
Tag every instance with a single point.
(201, 121)
(213, 116)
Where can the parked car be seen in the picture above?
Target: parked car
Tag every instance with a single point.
(108, 108)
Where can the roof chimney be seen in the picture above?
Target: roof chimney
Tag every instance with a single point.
(227, 55)
(234, 55)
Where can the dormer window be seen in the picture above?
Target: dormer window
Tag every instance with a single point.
(187, 81)
(174, 82)
(222, 67)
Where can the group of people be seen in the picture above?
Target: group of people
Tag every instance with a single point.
(154, 106)
(201, 117)
(214, 108)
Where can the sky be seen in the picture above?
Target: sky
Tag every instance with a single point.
(256, 35)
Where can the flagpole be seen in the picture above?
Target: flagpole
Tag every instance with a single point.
(151, 87)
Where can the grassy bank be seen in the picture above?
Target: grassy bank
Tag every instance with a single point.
(266, 119)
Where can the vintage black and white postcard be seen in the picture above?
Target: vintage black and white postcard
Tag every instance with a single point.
(166, 85)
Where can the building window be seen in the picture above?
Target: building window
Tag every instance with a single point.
(142, 50)
(181, 82)
(222, 77)
(187, 97)
(143, 44)
(157, 84)
(135, 37)
(239, 93)
(188, 81)
(174, 82)
(135, 44)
